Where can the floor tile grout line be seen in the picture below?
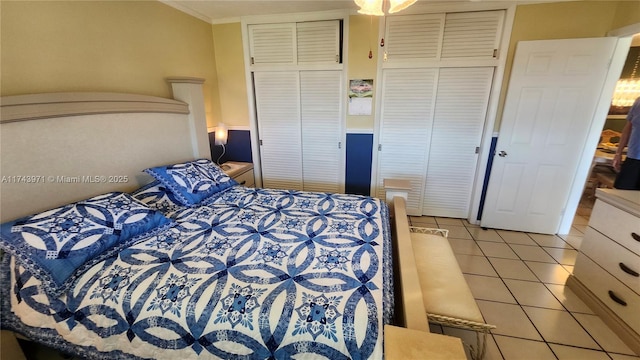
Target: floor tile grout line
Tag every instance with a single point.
(587, 331)
(521, 306)
(497, 346)
(520, 257)
(510, 292)
(583, 348)
(564, 307)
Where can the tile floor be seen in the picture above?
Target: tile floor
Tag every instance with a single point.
(518, 281)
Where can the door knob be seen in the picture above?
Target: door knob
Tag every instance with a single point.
(502, 153)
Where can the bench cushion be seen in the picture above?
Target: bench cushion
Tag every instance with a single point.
(444, 288)
(402, 344)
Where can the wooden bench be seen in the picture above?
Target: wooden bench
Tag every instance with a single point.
(445, 293)
(431, 285)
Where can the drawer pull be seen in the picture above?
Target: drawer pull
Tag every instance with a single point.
(615, 298)
(628, 270)
(635, 236)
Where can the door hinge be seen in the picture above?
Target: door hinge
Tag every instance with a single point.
(260, 142)
(339, 144)
(477, 149)
(252, 60)
(495, 53)
(379, 147)
(338, 59)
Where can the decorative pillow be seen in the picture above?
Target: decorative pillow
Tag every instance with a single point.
(60, 244)
(194, 181)
(158, 197)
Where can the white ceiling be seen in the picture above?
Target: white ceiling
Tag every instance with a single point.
(229, 10)
(218, 11)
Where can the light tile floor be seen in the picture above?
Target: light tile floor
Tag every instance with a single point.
(518, 281)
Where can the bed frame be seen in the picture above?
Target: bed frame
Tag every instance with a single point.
(63, 147)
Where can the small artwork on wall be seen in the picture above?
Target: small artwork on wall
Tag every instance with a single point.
(360, 96)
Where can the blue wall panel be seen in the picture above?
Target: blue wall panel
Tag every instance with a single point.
(238, 147)
(358, 164)
(358, 157)
(492, 153)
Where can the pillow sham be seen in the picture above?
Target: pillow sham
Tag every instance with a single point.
(156, 196)
(193, 181)
(60, 244)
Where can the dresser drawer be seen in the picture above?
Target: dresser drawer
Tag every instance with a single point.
(246, 179)
(616, 224)
(609, 255)
(605, 287)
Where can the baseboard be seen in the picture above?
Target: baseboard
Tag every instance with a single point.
(619, 327)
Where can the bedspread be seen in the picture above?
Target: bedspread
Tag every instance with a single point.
(255, 274)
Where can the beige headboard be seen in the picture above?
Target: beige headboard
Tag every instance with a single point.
(64, 147)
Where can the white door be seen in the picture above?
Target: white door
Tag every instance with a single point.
(408, 97)
(552, 96)
(321, 119)
(458, 123)
(278, 113)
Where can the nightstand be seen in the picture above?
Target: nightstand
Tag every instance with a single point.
(242, 172)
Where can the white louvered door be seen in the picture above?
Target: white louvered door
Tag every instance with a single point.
(430, 137)
(272, 44)
(406, 121)
(472, 35)
(299, 111)
(460, 111)
(321, 114)
(318, 42)
(414, 37)
(278, 109)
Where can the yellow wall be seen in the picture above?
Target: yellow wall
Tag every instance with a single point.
(565, 20)
(628, 13)
(127, 46)
(363, 36)
(227, 39)
(363, 33)
(119, 46)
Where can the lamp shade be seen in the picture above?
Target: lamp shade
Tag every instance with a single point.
(371, 7)
(221, 134)
(399, 5)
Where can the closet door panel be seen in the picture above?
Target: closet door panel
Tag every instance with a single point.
(278, 113)
(406, 121)
(272, 43)
(472, 35)
(321, 114)
(413, 37)
(318, 42)
(460, 111)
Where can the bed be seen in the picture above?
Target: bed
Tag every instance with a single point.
(233, 273)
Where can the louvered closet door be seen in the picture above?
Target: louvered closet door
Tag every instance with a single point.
(318, 42)
(413, 37)
(472, 35)
(460, 112)
(406, 121)
(278, 113)
(321, 114)
(272, 43)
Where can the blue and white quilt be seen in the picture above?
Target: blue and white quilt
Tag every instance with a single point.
(256, 274)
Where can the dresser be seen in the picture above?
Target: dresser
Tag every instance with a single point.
(606, 275)
(242, 172)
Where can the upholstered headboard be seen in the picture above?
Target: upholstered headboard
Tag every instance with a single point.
(64, 147)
